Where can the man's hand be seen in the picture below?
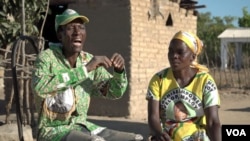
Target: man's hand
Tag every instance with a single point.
(97, 61)
(117, 62)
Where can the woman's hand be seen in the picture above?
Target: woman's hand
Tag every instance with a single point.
(154, 122)
(161, 137)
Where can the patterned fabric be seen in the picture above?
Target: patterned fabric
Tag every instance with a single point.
(73, 87)
(195, 44)
(182, 109)
(68, 16)
(192, 41)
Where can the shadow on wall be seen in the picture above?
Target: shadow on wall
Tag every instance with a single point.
(2, 105)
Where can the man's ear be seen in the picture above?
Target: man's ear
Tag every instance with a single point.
(59, 36)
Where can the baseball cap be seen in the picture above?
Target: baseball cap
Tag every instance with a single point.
(67, 16)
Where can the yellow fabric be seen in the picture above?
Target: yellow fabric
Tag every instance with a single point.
(186, 131)
(195, 44)
(198, 95)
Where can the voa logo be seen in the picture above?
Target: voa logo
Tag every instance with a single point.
(236, 132)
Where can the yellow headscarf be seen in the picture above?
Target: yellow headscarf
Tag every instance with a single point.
(195, 44)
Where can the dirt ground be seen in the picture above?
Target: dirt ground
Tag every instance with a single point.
(235, 106)
(235, 109)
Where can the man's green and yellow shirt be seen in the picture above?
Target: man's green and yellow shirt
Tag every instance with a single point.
(63, 93)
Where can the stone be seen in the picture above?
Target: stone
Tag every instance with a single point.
(9, 132)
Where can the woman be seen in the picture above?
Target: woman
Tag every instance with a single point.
(183, 99)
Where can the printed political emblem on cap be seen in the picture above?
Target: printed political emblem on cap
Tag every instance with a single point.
(68, 16)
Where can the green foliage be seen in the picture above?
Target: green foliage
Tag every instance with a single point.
(11, 19)
(208, 29)
(245, 20)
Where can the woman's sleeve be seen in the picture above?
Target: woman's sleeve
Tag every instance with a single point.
(154, 91)
(211, 94)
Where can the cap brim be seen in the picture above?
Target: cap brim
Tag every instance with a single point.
(83, 18)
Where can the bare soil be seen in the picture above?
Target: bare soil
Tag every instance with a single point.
(235, 106)
(235, 109)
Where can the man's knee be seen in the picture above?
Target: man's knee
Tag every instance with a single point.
(75, 135)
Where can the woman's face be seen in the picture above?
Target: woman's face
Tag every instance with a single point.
(180, 56)
(73, 36)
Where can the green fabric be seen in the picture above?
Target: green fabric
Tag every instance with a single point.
(48, 78)
(67, 16)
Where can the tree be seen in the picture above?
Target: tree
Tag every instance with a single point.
(208, 29)
(245, 20)
(11, 19)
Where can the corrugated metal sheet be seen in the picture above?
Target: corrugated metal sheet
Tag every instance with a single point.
(235, 33)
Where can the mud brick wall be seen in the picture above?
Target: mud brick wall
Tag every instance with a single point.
(123, 26)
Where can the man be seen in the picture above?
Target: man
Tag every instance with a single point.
(65, 78)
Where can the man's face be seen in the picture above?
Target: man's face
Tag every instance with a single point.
(73, 36)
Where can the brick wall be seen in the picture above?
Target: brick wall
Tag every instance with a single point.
(124, 27)
(150, 40)
(108, 31)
